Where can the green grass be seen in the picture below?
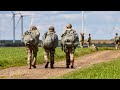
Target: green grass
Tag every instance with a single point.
(105, 70)
(17, 56)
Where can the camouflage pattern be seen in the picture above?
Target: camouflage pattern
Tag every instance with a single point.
(69, 51)
(49, 57)
(89, 41)
(117, 43)
(31, 60)
(49, 52)
(69, 56)
(81, 39)
(32, 50)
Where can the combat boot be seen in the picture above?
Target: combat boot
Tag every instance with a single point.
(51, 64)
(67, 66)
(46, 66)
(33, 66)
(72, 64)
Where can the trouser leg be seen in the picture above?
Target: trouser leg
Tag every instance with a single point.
(29, 58)
(67, 59)
(72, 59)
(34, 60)
(46, 58)
(52, 58)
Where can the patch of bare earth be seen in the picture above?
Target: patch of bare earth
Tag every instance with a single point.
(22, 72)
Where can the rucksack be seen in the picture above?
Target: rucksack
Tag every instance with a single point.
(50, 40)
(68, 38)
(30, 38)
(117, 39)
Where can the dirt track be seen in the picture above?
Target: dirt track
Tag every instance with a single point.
(22, 72)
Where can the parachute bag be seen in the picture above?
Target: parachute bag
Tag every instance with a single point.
(49, 40)
(69, 38)
(29, 38)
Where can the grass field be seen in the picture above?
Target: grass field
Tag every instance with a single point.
(108, 70)
(17, 56)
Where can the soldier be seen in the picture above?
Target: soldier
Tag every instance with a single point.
(81, 39)
(116, 39)
(89, 41)
(68, 48)
(33, 49)
(94, 47)
(49, 46)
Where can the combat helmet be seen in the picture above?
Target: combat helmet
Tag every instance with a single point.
(33, 28)
(69, 26)
(51, 28)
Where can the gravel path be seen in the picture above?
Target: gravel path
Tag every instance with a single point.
(22, 72)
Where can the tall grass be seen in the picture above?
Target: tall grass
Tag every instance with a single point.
(17, 56)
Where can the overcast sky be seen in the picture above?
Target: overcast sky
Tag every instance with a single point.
(99, 23)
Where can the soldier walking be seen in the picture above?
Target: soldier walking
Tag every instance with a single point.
(81, 39)
(117, 43)
(32, 49)
(50, 42)
(89, 41)
(69, 42)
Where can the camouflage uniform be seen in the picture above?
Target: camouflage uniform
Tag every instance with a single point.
(69, 51)
(81, 39)
(117, 44)
(49, 52)
(89, 41)
(32, 50)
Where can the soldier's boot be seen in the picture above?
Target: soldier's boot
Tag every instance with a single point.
(33, 66)
(67, 66)
(72, 62)
(46, 66)
(51, 64)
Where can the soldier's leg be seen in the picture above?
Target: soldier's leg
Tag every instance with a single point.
(88, 44)
(46, 58)
(82, 44)
(67, 59)
(116, 46)
(29, 57)
(35, 50)
(52, 51)
(72, 57)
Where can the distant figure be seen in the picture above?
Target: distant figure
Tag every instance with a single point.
(117, 41)
(31, 40)
(94, 47)
(69, 42)
(89, 41)
(81, 39)
(50, 42)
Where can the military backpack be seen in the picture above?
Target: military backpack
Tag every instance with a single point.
(30, 38)
(50, 40)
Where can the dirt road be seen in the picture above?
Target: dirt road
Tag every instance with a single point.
(22, 72)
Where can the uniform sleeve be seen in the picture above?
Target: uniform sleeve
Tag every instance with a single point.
(56, 41)
(76, 40)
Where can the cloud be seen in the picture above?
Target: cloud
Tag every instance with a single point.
(98, 23)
